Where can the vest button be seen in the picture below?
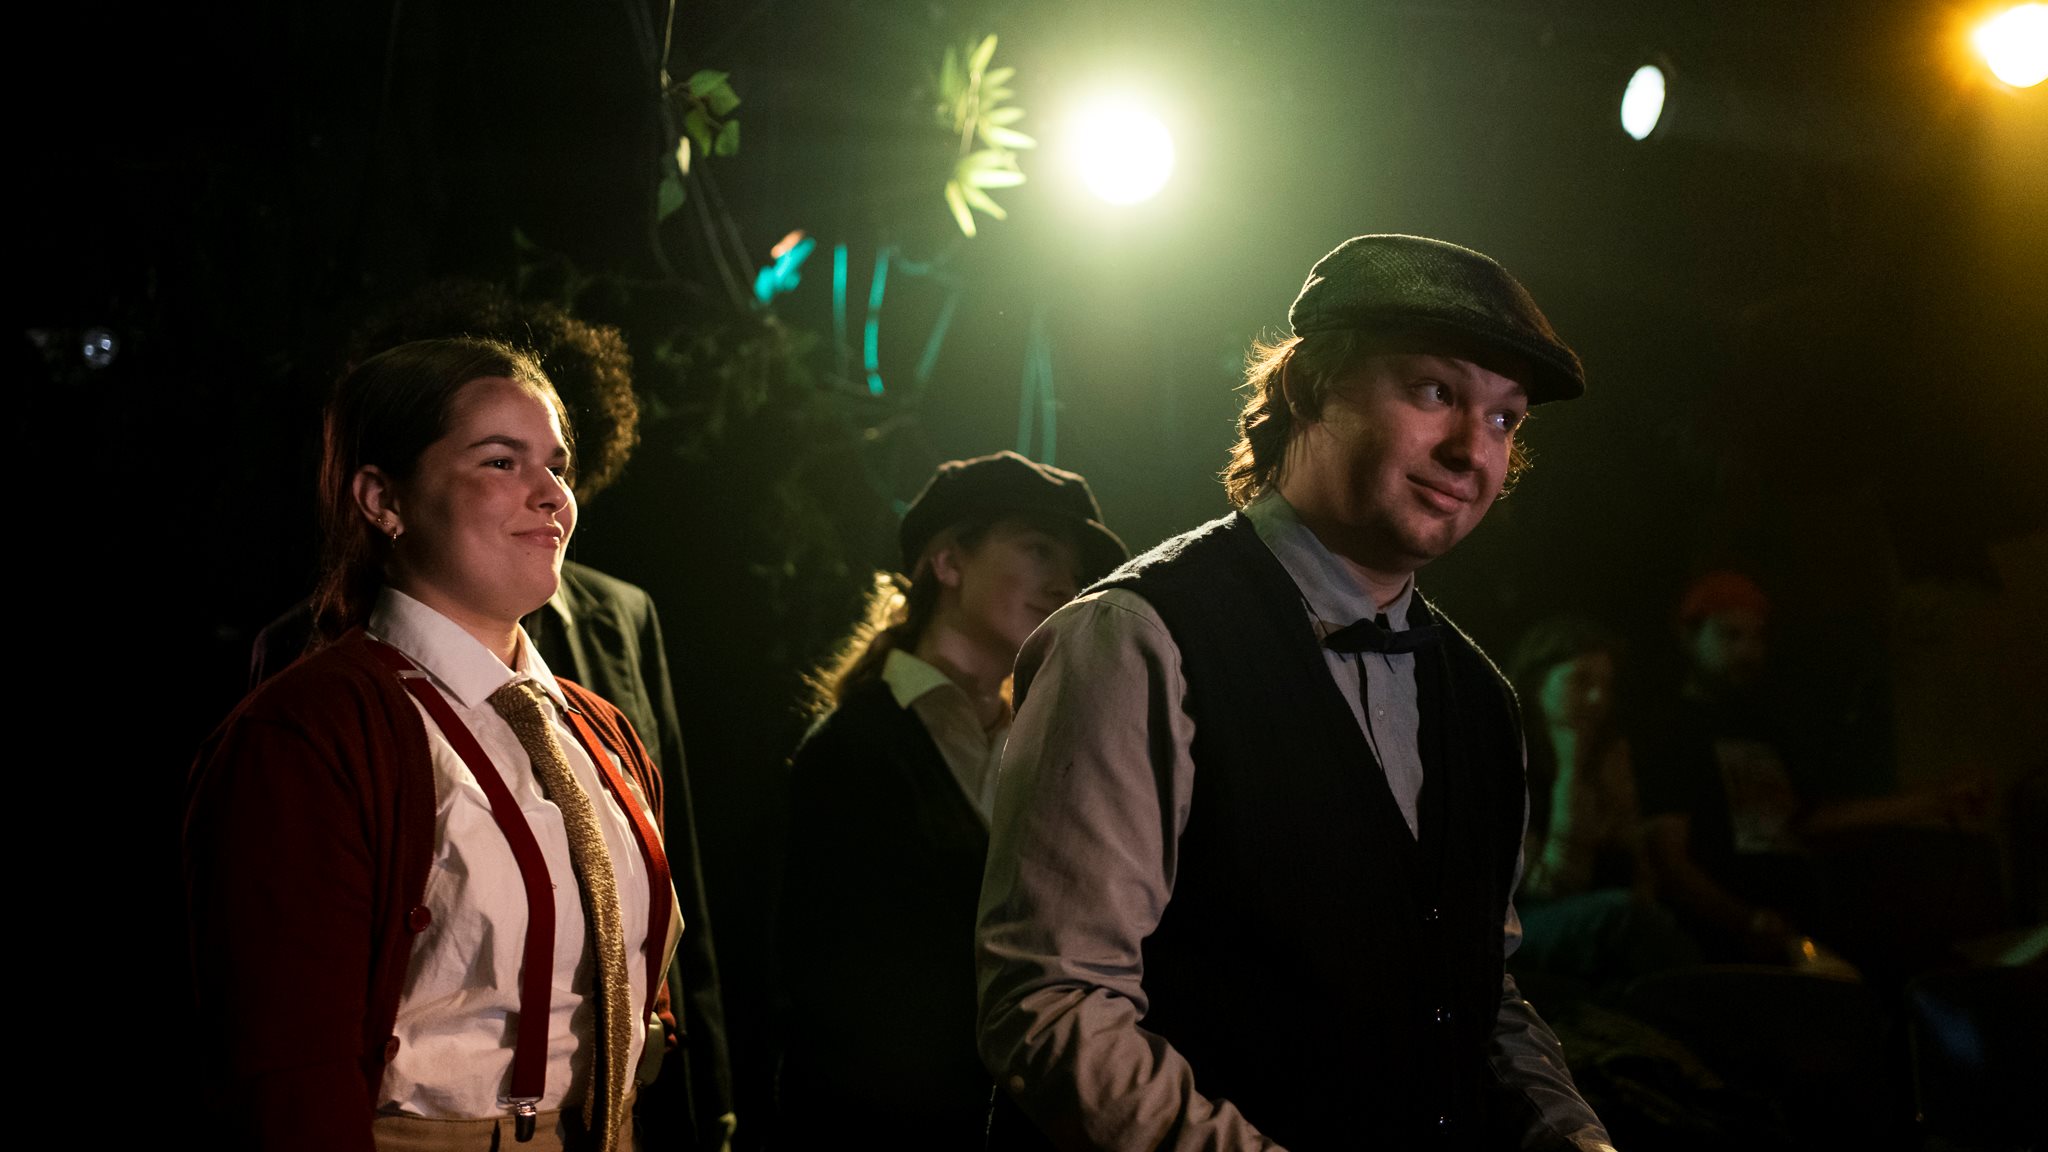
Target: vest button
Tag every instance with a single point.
(1431, 916)
(1443, 1015)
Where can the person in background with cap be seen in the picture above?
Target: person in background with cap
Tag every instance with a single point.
(889, 804)
(1733, 809)
(1721, 808)
(1260, 818)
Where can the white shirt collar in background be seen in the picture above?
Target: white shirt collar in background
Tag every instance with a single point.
(971, 753)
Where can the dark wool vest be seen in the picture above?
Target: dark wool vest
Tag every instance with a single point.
(1319, 966)
(877, 934)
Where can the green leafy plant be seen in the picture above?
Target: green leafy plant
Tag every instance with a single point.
(706, 101)
(971, 107)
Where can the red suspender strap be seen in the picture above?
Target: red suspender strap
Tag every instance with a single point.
(536, 974)
(660, 896)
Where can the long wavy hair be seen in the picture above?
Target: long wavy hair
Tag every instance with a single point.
(895, 615)
(385, 412)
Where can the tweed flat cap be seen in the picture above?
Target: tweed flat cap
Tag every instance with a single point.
(1006, 484)
(1404, 283)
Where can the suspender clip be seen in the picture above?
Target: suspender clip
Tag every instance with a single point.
(525, 1111)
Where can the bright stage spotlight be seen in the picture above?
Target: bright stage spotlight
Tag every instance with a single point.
(2014, 44)
(1123, 153)
(1642, 103)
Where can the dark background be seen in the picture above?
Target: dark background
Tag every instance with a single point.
(1812, 310)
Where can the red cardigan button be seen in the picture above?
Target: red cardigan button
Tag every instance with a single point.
(391, 1050)
(419, 918)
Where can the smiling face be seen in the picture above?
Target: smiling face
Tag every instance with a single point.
(1405, 457)
(998, 592)
(485, 515)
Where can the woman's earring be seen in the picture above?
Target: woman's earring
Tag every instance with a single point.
(392, 529)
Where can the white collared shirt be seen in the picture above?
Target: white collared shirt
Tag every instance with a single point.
(972, 753)
(460, 1004)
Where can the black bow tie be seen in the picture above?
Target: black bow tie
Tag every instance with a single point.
(1373, 636)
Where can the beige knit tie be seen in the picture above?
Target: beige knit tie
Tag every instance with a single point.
(605, 1101)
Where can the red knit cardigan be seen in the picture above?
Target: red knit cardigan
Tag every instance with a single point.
(309, 833)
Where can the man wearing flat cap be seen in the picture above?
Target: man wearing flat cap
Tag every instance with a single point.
(1260, 818)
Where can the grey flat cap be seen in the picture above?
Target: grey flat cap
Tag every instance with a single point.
(1402, 283)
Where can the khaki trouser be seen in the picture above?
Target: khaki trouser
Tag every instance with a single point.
(561, 1131)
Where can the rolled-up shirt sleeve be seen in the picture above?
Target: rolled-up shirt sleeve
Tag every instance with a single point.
(1090, 804)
